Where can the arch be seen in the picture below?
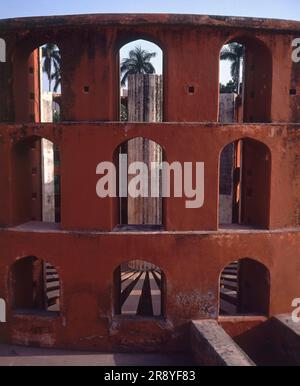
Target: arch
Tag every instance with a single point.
(245, 183)
(244, 138)
(252, 99)
(140, 99)
(244, 39)
(142, 210)
(244, 288)
(147, 138)
(35, 286)
(36, 180)
(139, 289)
(123, 40)
(34, 102)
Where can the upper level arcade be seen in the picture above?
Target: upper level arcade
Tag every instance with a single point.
(89, 47)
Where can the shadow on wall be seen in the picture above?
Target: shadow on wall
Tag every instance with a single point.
(245, 178)
(35, 286)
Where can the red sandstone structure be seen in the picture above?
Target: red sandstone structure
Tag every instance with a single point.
(87, 254)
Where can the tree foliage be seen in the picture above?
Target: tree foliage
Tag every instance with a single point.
(138, 62)
(52, 65)
(234, 52)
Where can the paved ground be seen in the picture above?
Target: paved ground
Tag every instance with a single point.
(23, 356)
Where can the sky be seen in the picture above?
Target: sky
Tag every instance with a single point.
(284, 9)
(280, 9)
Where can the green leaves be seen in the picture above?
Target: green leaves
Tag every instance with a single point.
(234, 52)
(138, 62)
(52, 64)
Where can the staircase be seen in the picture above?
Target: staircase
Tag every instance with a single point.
(141, 292)
(229, 289)
(52, 288)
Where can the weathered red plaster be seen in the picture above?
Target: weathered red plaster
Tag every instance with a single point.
(191, 251)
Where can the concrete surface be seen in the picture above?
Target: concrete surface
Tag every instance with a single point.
(23, 356)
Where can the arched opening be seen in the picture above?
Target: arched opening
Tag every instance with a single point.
(50, 64)
(141, 82)
(37, 90)
(139, 289)
(36, 182)
(37, 83)
(140, 202)
(244, 184)
(245, 81)
(35, 286)
(245, 288)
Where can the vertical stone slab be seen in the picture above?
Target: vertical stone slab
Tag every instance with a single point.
(226, 115)
(48, 190)
(144, 105)
(46, 106)
(47, 160)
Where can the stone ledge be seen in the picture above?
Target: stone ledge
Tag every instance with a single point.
(212, 346)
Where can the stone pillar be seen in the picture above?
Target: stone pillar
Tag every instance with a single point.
(145, 100)
(46, 107)
(48, 189)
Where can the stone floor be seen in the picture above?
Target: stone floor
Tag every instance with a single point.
(23, 356)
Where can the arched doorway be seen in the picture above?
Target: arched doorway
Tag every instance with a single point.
(244, 186)
(36, 187)
(245, 81)
(141, 82)
(35, 286)
(245, 288)
(141, 158)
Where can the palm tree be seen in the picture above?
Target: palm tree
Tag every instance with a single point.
(138, 62)
(52, 63)
(234, 52)
(56, 77)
